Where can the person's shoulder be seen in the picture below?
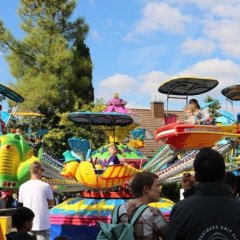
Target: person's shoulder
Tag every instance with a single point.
(24, 185)
(44, 184)
(19, 236)
(234, 201)
(11, 235)
(154, 211)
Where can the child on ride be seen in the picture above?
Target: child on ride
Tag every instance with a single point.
(189, 114)
(113, 150)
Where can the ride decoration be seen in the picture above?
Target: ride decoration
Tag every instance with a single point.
(183, 136)
(83, 215)
(16, 155)
(137, 137)
(93, 175)
(119, 133)
(188, 137)
(107, 186)
(117, 122)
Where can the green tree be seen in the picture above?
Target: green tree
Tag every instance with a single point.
(51, 64)
(214, 107)
(171, 191)
(55, 142)
(52, 67)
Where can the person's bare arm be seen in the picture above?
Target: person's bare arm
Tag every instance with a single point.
(51, 203)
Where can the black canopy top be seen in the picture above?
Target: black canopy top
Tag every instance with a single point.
(187, 86)
(9, 93)
(232, 93)
(104, 118)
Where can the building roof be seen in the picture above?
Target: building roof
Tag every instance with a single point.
(151, 124)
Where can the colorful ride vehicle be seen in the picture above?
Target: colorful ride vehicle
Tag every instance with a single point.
(16, 155)
(186, 136)
(182, 136)
(112, 176)
(6, 92)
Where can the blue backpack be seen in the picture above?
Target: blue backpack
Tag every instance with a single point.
(119, 231)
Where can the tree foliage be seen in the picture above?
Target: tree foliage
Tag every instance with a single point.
(171, 191)
(51, 64)
(62, 129)
(214, 107)
(52, 67)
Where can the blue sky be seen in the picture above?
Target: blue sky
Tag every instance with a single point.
(136, 45)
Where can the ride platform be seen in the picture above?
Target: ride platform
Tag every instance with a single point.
(189, 137)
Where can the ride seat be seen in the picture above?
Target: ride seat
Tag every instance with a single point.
(170, 118)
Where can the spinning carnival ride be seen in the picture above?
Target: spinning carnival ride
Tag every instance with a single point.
(182, 141)
(96, 186)
(78, 217)
(17, 153)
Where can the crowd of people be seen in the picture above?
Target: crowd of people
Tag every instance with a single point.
(210, 208)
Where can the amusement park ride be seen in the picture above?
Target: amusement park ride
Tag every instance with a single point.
(184, 140)
(98, 188)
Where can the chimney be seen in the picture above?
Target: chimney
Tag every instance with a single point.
(157, 109)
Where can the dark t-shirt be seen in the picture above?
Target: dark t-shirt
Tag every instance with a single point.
(113, 160)
(19, 236)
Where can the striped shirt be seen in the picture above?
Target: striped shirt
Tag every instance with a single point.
(150, 225)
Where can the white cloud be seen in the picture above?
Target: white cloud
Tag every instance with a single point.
(118, 83)
(225, 71)
(109, 22)
(198, 46)
(227, 33)
(140, 90)
(92, 1)
(157, 16)
(137, 91)
(220, 19)
(150, 82)
(227, 10)
(96, 36)
(213, 5)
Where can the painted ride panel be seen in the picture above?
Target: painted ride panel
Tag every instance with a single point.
(16, 155)
(186, 136)
(78, 217)
(112, 176)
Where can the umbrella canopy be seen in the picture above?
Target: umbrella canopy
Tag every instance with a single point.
(187, 86)
(9, 93)
(232, 93)
(107, 119)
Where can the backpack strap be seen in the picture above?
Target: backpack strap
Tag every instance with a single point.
(115, 214)
(138, 213)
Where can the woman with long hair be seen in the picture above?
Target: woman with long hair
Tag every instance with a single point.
(202, 116)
